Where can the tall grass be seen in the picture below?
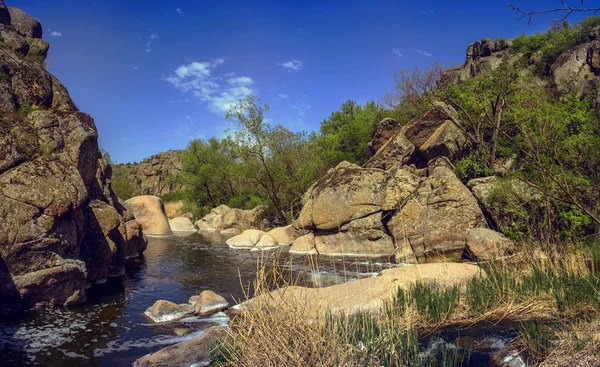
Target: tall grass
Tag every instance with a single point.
(554, 285)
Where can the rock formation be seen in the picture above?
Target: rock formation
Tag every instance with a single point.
(223, 218)
(62, 225)
(152, 175)
(149, 211)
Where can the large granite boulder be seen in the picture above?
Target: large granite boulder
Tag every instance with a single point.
(396, 151)
(434, 223)
(224, 218)
(447, 141)
(193, 352)
(347, 192)
(63, 227)
(149, 211)
(164, 311)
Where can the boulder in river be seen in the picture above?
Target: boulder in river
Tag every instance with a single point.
(208, 303)
(149, 211)
(193, 352)
(253, 239)
(181, 224)
(163, 311)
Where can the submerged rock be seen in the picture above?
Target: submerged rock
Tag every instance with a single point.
(193, 352)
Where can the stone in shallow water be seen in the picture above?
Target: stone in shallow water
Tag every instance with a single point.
(162, 311)
(195, 351)
(208, 303)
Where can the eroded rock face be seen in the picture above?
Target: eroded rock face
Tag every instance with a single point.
(152, 174)
(385, 131)
(62, 225)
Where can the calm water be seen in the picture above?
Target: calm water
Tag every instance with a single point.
(111, 330)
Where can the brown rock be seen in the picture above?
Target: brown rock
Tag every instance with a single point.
(485, 244)
(181, 224)
(196, 351)
(419, 130)
(447, 141)
(396, 151)
(208, 303)
(150, 213)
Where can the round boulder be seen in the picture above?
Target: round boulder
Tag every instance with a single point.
(149, 211)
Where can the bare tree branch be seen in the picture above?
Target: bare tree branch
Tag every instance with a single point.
(566, 10)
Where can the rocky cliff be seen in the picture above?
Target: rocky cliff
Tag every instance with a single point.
(153, 175)
(62, 227)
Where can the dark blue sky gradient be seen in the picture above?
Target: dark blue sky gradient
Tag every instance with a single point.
(345, 48)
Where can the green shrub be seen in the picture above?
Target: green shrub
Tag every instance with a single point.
(471, 167)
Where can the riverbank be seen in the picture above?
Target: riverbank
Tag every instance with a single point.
(550, 299)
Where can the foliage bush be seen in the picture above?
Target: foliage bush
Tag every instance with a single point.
(472, 166)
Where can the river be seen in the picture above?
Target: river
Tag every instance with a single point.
(111, 329)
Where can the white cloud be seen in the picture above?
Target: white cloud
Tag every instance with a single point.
(56, 34)
(283, 96)
(187, 129)
(136, 68)
(179, 11)
(425, 53)
(151, 38)
(219, 92)
(292, 65)
(396, 51)
(301, 109)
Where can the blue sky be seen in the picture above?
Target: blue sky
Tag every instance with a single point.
(155, 74)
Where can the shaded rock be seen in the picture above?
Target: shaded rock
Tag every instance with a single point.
(62, 225)
(4, 14)
(284, 235)
(396, 151)
(181, 224)
(163, 311)
(367, 294)
(136, 241)
(203, 225)
(493, 194)
(386, 130)
(447, 141)
(433, 225)
(150, 213)
(24, 23)
(304, 245)
(418, 131)
(485, 244)
(507, 357)
(193, 352)
(345, 193)
(208, 303)
(66, 282)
